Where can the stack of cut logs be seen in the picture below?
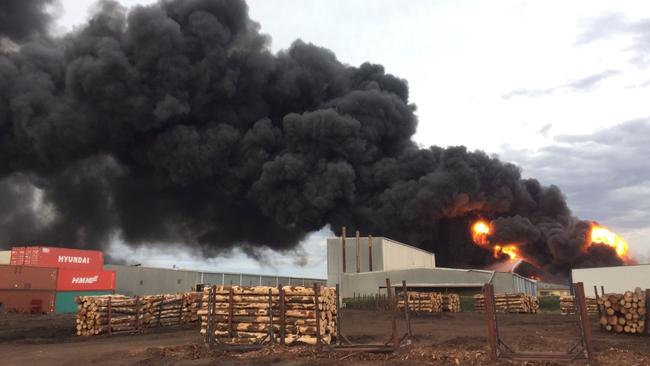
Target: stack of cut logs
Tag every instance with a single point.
(451, 303)
(132, 314)
(430, 302)
(426, 302)
(568, 305)
(240, 315)
(624, 312)
(509, 303)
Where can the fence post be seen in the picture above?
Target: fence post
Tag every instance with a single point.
(338, 315)
(597, 302)
(180, 309)
(212, 300)
(490, 312)
(406, 308)
(271, 335)
(319, 344)
(647, 312)
(579, 290)
(282, 314)
(231, 305)
(137, 313)
(391, 306)
(110, 315)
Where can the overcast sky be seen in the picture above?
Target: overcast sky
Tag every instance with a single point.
(559, 88)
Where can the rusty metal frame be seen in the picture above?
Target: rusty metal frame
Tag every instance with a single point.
(214, 343)
(110, 316)
(160, 306)
(392, 345)
(271, 336)
(582, 350)
(180, 309)
(319, 341)
(136, 322)
(646, 326)
(283, 318)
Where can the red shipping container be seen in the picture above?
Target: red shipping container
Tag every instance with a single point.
(24, 301)
(57, 257)
(27, 278)
(17, 256)
(85, 280)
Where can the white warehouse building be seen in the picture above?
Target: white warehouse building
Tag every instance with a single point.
(367, 262)
(613, 279)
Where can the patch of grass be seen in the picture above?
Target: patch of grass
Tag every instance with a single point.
(549, 304)
(467, 303)
(371, 302)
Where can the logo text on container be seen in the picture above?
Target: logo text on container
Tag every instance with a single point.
(85, 279)
(71, 259)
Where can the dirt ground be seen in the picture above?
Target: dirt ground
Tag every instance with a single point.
(440, 339)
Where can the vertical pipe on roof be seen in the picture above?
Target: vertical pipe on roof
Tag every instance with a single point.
(369, 253)
(343, 247)
(357, 243)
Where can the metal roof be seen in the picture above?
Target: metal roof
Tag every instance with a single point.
(440, 285)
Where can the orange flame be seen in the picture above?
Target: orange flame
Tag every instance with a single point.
(480, 232)
(511, 250)
(602, 235)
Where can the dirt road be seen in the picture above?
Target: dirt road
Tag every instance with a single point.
(441, 339)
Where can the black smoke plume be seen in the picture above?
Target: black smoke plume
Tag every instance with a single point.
(176, 123)
(24, 19)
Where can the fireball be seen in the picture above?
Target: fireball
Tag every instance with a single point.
(602, 235)
(480, 232)
(511, 250)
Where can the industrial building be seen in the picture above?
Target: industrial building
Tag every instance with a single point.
(616, 279)
(137, 280)
(361, 265)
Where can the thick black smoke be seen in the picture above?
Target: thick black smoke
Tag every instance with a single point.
(175, 123)
(23, 19)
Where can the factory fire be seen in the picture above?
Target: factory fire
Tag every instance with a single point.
(482, 236)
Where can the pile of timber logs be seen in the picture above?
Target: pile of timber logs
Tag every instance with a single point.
(568, 305)
(430, 302)
(426, 302)
(244, 315)
(132, 314)
(451, 303)
(624, 312)
(479, 303)
(509, 303)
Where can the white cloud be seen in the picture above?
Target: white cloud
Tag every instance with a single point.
(605, 175)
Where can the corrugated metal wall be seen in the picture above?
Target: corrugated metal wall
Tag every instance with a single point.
(147, 281)
(369, 282)
(505, 282)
